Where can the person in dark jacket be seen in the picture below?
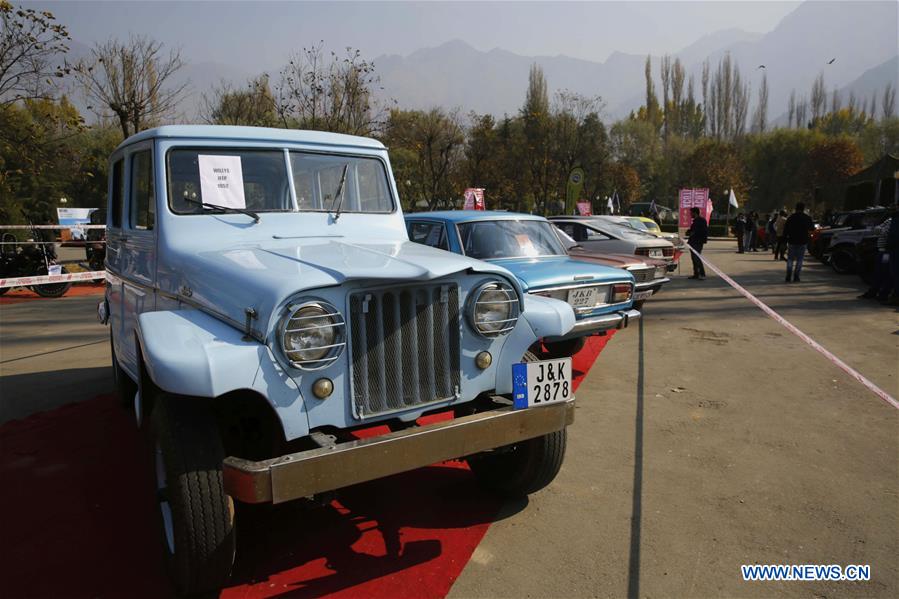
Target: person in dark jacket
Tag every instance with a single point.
(796, 230)
(740, 231)
(697, 236)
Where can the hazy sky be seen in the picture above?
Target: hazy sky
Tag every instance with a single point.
(259, 35)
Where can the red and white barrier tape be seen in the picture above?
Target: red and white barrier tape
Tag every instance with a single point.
(808, 340)
(45, 279)
(51, 227)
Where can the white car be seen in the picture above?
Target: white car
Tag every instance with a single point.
(612, 234)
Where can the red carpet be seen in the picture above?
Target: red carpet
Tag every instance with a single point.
(78, 520)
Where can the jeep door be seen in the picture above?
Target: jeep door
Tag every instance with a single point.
(137, 247)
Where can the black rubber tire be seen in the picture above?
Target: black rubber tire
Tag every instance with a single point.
(843, 261)
(4, 290)
(185, 436)
(51, 289)
(565, 349)
(521, 469)
(125, 387)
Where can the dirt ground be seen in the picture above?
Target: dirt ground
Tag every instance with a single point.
(710, 437)
(706, 437)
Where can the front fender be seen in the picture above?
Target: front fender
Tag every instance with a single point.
(543, 317)
(188, 352)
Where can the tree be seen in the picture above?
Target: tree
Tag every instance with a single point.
(31, 43)
(888, 104)
(760, 120)
(716, 165)
(335, 94)
(131, 82)
(431, 144)
(536, 117)
(253, 105)
(818, 98)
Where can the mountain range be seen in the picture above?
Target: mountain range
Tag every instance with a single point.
(854, 44)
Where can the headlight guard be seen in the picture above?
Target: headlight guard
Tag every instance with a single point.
(312, 334)
(493, 309)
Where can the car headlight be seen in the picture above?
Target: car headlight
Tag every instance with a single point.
(494, 310)
(661, 271)
(312, 336)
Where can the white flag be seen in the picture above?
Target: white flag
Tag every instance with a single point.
(733, 199)
(611, 206)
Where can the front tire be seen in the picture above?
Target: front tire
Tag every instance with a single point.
(523, 468)
(51, 289)
(564, 349)
(196, 514)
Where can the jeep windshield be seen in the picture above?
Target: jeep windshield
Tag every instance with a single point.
(272, 180)
(498, 239)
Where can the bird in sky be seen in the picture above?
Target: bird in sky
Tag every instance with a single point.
(831, 61)
(761, 66)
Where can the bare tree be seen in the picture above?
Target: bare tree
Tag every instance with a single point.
(760, 120)
(853, 102)
(678, 75)
(802, 113)
(741, 94)
(872, 112)
(889, 101)
(31, 43)
(819, 98)
(333, 94)
(836, 102)
(131, 82)
(705, 87)
(665, 71)
(791, 109)
(253, 104)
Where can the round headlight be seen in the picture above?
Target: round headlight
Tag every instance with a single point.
(313, 335)
(494, 310)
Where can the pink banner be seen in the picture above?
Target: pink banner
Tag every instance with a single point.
(584, 209)
(474, 199)
(693, 198)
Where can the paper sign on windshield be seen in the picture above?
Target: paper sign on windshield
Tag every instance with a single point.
(526, 245)
(221, 181)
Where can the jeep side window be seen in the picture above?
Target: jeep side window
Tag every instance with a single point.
(432, 234)
(143, 197)
(118, 192)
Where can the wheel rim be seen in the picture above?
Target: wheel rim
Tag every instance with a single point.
(165, 509)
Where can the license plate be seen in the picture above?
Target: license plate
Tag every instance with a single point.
(656, 253)
(583, 298)
(641, 295)
(540, 383)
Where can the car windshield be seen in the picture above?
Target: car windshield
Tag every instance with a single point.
(638, 224)
(258, 180)
(497, 239)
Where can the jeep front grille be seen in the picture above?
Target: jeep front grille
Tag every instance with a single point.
(405, 347)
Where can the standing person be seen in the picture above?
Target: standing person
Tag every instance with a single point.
(892, 247)
(771, 233)
(796, 231)
(781, 247)
(749, 233)
(740, 231)
(883, 283)
(697, 236)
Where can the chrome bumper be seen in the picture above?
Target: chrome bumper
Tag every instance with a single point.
(645, 285)
(599, 324)
(306, 473)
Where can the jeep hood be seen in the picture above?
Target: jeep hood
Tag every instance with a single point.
(262, 276)
(540, 273)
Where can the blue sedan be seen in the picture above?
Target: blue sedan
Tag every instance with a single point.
(528, 246)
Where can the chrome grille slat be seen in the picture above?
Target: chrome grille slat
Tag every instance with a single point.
(641, 275)
(405, 347)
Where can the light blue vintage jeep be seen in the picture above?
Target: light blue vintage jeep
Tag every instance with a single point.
(264, 302)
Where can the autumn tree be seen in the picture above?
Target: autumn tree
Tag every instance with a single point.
(132, 82)
(427, 146)
(253, 104)
(535, 115)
